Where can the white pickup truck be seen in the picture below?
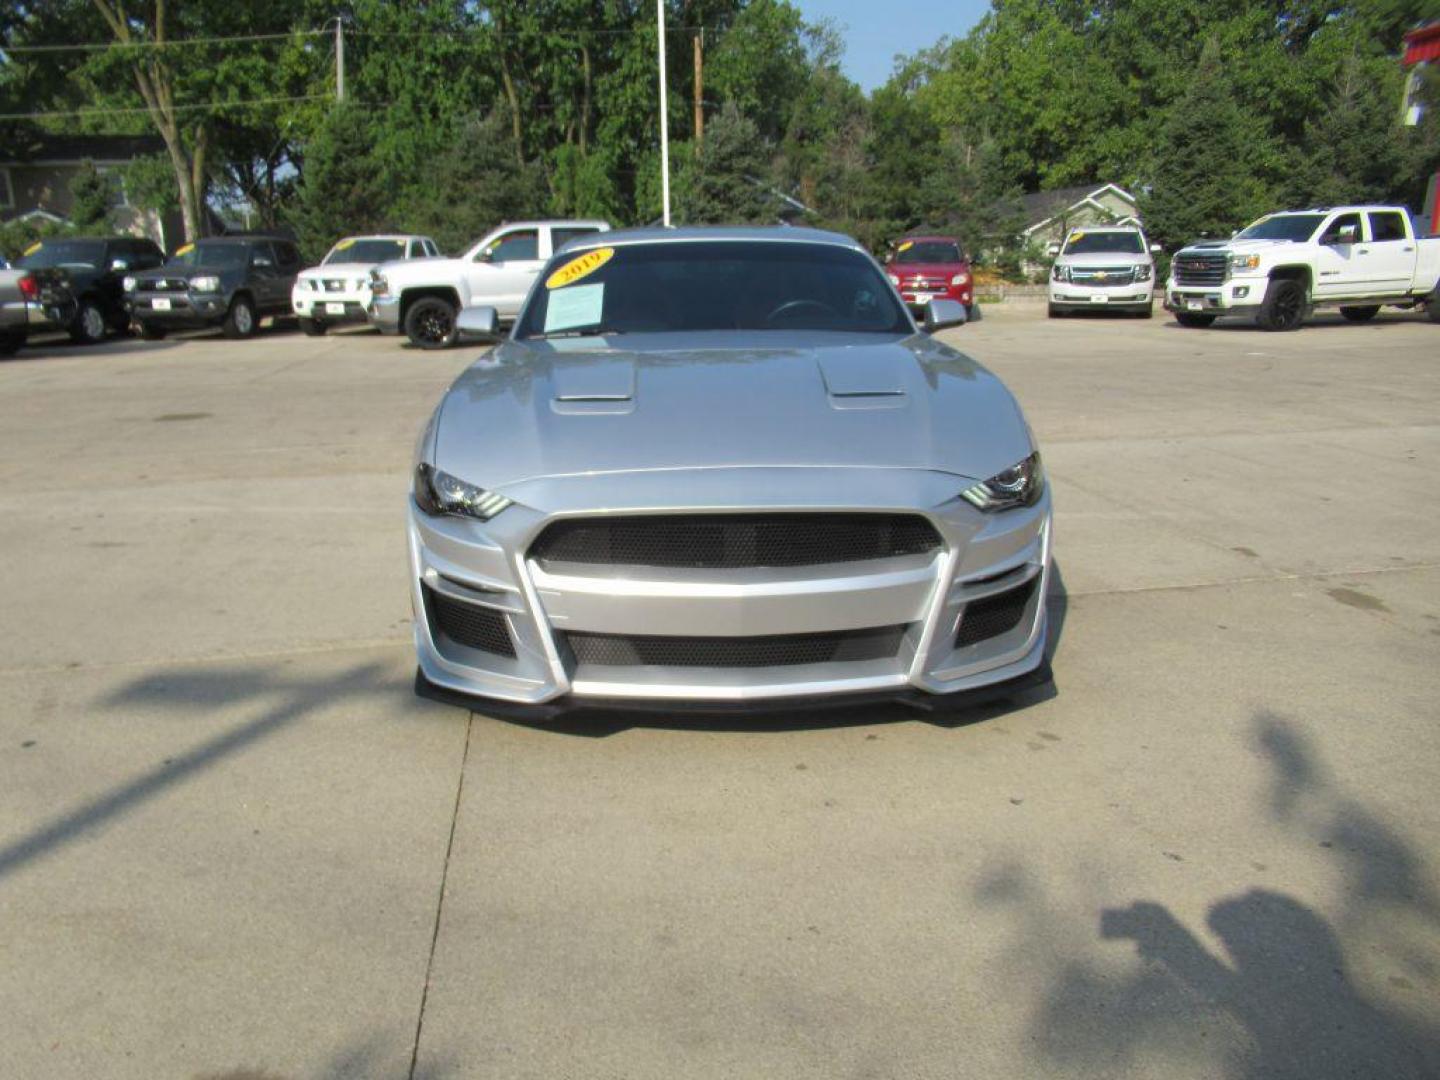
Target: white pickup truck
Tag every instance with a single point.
(1282, 267)
(423, 297)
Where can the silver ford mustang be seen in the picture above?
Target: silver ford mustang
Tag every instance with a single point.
(722, 468)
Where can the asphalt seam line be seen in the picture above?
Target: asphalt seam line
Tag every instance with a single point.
(440, 900)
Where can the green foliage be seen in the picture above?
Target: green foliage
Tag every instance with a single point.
(728, 184)
(92, 201)
(17, 235)
(344, 190)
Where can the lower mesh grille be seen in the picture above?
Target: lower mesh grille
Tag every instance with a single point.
(468, 624)
(994, 615)
(776, 650)
(729, 541)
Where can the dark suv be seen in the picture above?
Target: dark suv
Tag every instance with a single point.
(227, 281)
(80, 281)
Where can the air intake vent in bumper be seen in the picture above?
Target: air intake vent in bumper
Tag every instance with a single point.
(732, 541)
(994, 615)
(775, 650)
(470, 625)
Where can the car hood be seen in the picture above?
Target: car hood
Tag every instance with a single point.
(1104, 258)
(335, 270)
(687, 401)
(926, 269)
(1237, 247)
(187, 272)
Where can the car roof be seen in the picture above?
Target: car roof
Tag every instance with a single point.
(255, 238)
(383, 236)
(948, 239)
(1104, 228)
(697, 233)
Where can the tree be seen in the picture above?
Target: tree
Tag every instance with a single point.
(730, 180)
(92, 200)
(1206, 181)
(1354, 149)
(150, 188)
(342, 190)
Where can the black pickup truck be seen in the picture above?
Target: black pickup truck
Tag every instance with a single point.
(227, 281)
(81, 278)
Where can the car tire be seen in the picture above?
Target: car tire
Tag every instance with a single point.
(430, 323)
(1194, 322)
(1053, 312)
(1432, 307)
(312, 327)
(88, 327)
(152, 331)
(10, 344)
(240, 321)
(1283, 307)
(1361, 314)
(1147, 312)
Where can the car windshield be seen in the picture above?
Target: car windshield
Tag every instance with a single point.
(1096, 243)
(711, 285)
(928, 251)
(218, 254)
(365, 251)
(51, 253)
(1296, 227)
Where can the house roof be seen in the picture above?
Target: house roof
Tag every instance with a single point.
(1043, 207)
(72, 149)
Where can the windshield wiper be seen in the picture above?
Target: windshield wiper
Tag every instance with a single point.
(573, 334)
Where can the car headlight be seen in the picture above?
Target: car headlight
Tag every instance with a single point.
(1241, 263)
(205, 283)
(309, 284)
(437, 492)
(960, 279)
(1060, 273)
(128, 283)
(1144, 273)
(1019, 485)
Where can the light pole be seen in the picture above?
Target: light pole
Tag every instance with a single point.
(664, 116)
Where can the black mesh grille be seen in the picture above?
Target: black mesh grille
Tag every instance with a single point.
(1200, 269)
(994, 615)
(469, 624)
(776, 650)
(730, 541)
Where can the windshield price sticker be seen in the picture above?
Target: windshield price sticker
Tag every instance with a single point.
(906, 246)
(570, 308)
(346, 244)
(33, 248)
(579, 267)
(184, 249)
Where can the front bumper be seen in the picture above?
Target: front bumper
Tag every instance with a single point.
(179, 309)
(1235, 296)
(1137, 296)
(384, 314)
(486, 569)
(331, 307)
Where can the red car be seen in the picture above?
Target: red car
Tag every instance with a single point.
(930, 267)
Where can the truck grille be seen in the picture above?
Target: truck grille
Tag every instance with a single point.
(994, 615)
(1200, 269)
(732, 541)
(162, 285)
(1102, 275)
(775, 650)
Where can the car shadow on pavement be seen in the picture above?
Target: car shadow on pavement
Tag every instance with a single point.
(601, 724)
(1287, 993)
(288, 701)
(63, 348)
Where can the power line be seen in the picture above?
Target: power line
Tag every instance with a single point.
(14, 50)
(82, 113)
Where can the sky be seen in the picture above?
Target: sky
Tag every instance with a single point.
(875, 31)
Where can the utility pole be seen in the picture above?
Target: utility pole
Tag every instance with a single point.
(699, 89)
(339, 60)
(664, 116)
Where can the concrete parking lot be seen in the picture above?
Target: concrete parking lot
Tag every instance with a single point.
(233, 844)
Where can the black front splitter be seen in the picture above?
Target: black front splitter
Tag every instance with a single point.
(935, 704)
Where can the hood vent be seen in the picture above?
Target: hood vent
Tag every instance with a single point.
(862, 381)
(594, 386)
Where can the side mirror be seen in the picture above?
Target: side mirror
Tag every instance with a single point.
(942, 313)
(1346, 234)
(119, 265)
(478, 324)
(1156, 249)
(1054, 250)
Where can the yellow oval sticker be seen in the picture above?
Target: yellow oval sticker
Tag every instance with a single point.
(184, 249)
(579, 267)
(33, 248)
(906, 246)
(346, 244)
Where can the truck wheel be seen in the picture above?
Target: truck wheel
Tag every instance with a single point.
(1361, 314)
(1432, 307)
(89, 327)
(312, 327)
(1148, 311)
(430, 323)
(240, 319)
(1194, 322)
(1054, 312)
(1283, 307)
(152, 331)
(10, 344)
